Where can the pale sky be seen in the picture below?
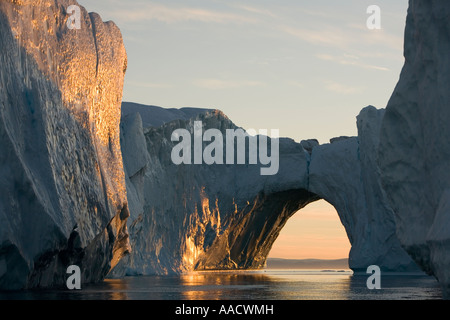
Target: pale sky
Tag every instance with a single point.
(304, 67)
(314, 232)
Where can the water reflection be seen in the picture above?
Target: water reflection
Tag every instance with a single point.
(257, 285)
(225, 285)
(396, 286)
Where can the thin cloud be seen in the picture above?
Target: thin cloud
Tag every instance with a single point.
(319, 13)
(350, 60)
(256, 10)
(218, 84)
(379, 38)
(342, 88)
(152, 85)
(327, 37)
(177, 14)
(297, 84)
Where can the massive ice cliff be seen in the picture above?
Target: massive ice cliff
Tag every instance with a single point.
(201, 217)
(62, 186)
(414, 155)
(73, 177)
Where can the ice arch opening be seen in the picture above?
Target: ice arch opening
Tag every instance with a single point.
(314, 232)
(252, 233)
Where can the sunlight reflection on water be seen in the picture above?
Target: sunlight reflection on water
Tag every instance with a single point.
(249, 285)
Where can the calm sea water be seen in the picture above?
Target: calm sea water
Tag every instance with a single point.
(248, 285)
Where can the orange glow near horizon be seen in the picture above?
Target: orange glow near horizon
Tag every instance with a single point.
(315, 232)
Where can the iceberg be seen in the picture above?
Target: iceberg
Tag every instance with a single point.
(414, 147)
(63, 196)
